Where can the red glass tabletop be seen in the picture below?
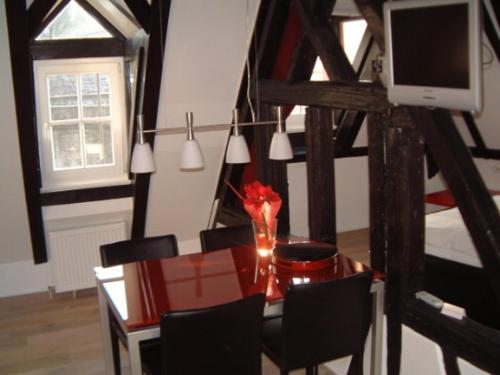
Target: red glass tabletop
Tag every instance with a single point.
(149, 288)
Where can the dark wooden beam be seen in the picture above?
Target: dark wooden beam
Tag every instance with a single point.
(22, 71)
(377, 171)
(37, 11)
(357, 96)
(320, 174)
(349, 129)
(450, 363)
(474, 201)
(325, 42)
(305, 55)
(371, 11)
(474, 131)
(404, 202)
(76, 48)
(486, 154)
(489, 28)
(349, 122)
(40, 20)
(118, 5)
(474, 342)
(86, 195)
(150, 103)
(142, 13)
(303, 61)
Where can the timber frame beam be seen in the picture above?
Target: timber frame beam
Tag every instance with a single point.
(356, 96)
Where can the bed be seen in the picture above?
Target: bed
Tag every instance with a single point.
(453, 270)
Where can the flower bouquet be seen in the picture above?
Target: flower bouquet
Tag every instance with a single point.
(263, 205)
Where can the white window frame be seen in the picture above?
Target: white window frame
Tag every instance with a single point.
(105, 175)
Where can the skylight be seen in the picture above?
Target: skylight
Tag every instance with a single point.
(73, 22)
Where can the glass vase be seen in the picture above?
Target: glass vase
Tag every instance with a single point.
(265, 236)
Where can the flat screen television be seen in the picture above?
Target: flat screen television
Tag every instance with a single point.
(433, 53)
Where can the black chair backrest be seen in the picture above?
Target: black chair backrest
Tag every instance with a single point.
(326, 320)
(138, 249)
(226, 237)
(223, 339)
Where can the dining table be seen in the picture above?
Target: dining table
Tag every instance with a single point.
(135, 295)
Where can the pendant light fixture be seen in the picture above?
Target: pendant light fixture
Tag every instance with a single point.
(237, 149)
(191, 155)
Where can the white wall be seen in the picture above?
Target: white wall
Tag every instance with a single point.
(15, 245)
(206, 47)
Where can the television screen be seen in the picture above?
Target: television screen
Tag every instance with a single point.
(434, 53)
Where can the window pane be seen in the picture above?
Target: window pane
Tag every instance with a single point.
(98, 144)
(73, 22)
(95, 95)
(62, 85)
(64, 113)
(66, 147)
(63, 99)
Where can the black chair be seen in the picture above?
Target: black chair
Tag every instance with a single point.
(223, 340)
(320, 322)
(128, 251)
(139, 249)
(222, 238)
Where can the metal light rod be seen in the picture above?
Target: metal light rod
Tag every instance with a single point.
(204, 128)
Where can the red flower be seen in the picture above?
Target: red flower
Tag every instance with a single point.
(261, 202)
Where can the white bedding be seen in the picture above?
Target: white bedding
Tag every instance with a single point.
(447, 237)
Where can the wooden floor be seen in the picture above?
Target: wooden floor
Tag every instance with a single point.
(39, 335)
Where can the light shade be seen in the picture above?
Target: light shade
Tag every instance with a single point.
(191, 156)
(237, 150)
(142, 159)
(281, 149)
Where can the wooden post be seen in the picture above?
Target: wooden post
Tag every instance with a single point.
(320, 174)
(22, 69)
(404, 224)
(377, 175)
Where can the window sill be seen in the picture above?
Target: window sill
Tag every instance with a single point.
(81, 186)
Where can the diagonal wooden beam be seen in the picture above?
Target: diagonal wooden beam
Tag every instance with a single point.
(348, 129)
(125, 11)
(474, 131)
(325, 42)
(305, 54)
(37, 11)
(142, 13)
(476, 343)
(356, 96)
(372, 13)
(478, 210)
(489, 26)
(45, 19)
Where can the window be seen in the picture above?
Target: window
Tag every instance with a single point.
(81, 122)
(73, 22)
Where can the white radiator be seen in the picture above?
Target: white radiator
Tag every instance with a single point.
(75, 253)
